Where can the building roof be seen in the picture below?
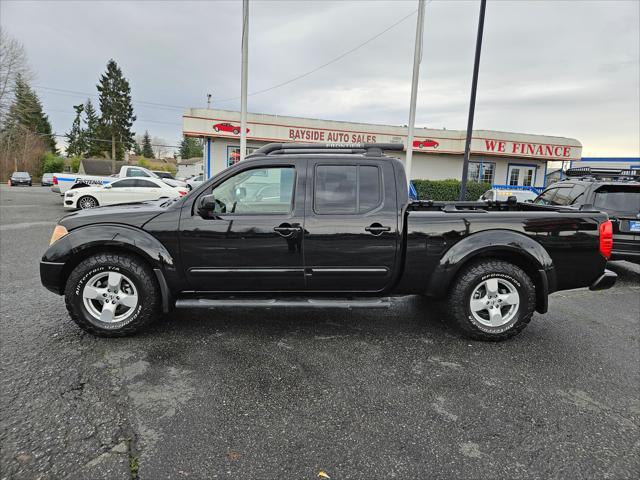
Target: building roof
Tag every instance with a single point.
(98, 166)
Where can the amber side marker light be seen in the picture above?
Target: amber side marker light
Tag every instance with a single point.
(58, 233)
(606, 239)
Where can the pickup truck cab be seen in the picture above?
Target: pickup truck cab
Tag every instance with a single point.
(65, 181)
(322, 226)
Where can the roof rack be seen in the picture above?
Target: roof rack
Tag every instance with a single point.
(612, 173)
(370, 149)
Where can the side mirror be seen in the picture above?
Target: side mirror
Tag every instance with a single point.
(206, 205)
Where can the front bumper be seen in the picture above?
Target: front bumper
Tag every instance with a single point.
(51, 275)
(604, 281)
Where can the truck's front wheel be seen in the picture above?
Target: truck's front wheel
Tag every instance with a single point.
(491, 300)
(112, 295)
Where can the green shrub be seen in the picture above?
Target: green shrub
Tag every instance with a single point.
(144, 163)
(52, 163)
(448, 190)
(75, 164)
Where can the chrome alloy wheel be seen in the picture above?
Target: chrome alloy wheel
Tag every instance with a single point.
(87, 202)
(110, 297)
(494, 302)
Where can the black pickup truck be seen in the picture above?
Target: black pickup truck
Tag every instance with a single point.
(320, 226)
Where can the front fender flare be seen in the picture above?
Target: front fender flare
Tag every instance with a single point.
(74, 246)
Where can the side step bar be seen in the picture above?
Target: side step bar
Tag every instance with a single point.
(347, 303)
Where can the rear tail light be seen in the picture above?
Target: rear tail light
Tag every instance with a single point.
(606, 239)
(55, 180)
(182, 193)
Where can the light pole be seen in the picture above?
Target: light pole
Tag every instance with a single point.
(417, 57)
(472, 103)
(243, 93)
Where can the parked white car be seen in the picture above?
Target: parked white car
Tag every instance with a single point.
(195, 182)
(126, 190)
(62, 182)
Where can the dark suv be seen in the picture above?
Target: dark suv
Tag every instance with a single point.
(615, 192)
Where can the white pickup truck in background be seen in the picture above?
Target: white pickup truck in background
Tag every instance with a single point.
(65, 181)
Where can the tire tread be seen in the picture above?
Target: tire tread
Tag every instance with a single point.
(144, 276)
(456, 300)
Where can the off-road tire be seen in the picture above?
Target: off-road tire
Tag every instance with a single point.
(146, 310)
(461, 290)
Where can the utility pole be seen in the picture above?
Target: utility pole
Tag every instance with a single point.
(417, 58)
(472, 103)
(243, 93)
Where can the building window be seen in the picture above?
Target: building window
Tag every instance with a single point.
(513, 177)
(233, 154)
(481, 172)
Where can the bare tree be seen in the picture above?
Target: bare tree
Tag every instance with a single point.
(160, 148)
(13, 63)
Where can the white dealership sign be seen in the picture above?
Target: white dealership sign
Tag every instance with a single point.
(272, 128)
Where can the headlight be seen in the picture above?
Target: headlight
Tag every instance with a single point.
(70, 193)
(58, 233)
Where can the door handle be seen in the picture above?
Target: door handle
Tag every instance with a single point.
(377, 229)
(286, 230)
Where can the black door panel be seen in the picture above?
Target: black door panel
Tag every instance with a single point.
(351, 226)
(236, 250)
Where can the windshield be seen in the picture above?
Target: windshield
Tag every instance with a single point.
(20, 175)
(618, 198)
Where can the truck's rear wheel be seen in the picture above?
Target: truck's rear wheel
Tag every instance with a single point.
(112, 295)
(491, 300)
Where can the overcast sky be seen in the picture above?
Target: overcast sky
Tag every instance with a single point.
(559, 68)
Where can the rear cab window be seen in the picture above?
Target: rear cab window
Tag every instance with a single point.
(347, 189)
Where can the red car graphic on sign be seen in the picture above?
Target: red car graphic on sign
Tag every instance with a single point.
(425, 143)
(227, 127)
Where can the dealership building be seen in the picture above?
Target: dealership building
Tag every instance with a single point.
(500, 158)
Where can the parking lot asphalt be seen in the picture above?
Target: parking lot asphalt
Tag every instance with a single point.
(244, 393)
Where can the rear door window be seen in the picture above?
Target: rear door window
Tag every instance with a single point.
(347, 189)
(546, 197)
(124, 183)
(145, 184)
(577, 194)
(563, 195)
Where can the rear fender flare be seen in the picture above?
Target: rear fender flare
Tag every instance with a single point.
(496, 244)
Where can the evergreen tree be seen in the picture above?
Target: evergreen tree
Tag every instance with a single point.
(190, 147)
(94, 147)
(116, 111)
(27, 116)
(147, 149)
(76, 146)
(137, 149)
